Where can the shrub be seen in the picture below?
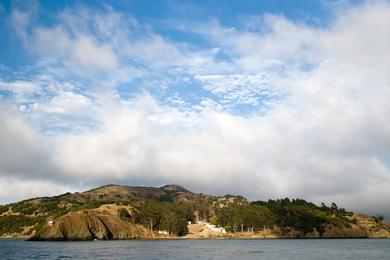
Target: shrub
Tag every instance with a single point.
(3, 209)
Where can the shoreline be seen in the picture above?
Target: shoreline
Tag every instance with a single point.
(198, 238)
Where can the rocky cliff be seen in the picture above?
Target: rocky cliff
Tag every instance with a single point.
(89, 225)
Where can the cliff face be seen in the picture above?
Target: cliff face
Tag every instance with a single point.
(91, 225)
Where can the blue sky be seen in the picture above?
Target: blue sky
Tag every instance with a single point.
(264, 98)
(164, 16)
(181, 23)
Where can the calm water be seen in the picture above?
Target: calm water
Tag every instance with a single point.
(198, 249)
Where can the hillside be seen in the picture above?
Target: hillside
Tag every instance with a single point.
(126, 212)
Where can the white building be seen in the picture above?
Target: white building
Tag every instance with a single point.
(212, 227)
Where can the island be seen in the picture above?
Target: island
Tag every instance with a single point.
(173, 212)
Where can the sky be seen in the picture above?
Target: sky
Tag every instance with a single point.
(267, 99)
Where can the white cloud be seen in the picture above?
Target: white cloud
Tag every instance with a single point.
(31, 188)
(238, 89)
(23, 151)
(22, 89)
(325, 136)
(81, 51)
(360, 37)
(68, 104)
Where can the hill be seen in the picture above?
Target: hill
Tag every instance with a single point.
(126, 212)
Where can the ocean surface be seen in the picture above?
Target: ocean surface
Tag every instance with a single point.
(199, 249)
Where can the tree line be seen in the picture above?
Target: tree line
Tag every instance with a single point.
(240, 216)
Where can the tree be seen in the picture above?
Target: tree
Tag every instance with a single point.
(164, 216)
(378, 218)
(214, 220)
(150, 215)
(227, 217)
(124, 214)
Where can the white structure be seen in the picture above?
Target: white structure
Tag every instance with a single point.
(163, 232)
(212, 227)
(50, 222)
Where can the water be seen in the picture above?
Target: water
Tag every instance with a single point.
(199, 249)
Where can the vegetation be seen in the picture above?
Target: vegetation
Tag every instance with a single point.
(304, 216)
(378, 218)
(15, 223)
(25, 208)
(124, 214)
(296, 214)
(169, 212)
(3, 209)
(167, 197)
(243, 217)
(165, 216)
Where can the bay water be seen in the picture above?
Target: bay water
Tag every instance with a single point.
(199, 249)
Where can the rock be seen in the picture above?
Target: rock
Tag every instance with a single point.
(91, 225)
(354, 231)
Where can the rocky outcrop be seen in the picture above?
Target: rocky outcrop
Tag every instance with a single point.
(344, 232)
(90, 225)
(372, 228)
(363, 227)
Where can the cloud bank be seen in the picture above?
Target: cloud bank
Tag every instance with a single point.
(278, 108)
